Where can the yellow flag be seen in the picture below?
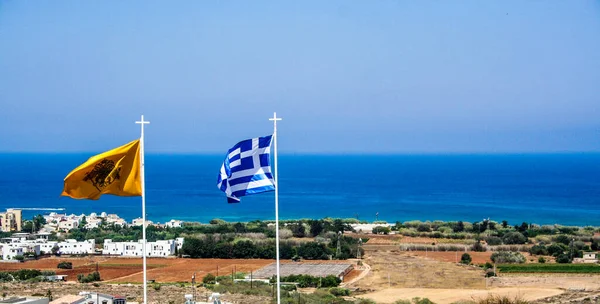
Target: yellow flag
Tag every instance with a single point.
(114, 172)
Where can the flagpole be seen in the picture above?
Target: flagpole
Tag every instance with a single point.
(276, 181)
(143, 182)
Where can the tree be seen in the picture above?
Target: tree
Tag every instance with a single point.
(298, 229)
(504, 224)
(313, 251)
(316, 227)
(38, 222)
(478, 247)
(381, 230)
(493, 240)
(209, 279)
(83, 221)
(556, 249)
(563, 239)
(460, 227)
(524, 226)
(476, 227)
(27, 226)
(465, 259)
(65, 265)
(514, 238)
(538, 250)
(55, 250)
(49, 295)
(595, 246)
(239, 227)
(563, 259)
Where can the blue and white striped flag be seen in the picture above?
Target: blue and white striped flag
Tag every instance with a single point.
(246, 169)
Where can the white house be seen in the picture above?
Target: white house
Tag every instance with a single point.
(74, 247)
(162, 248)
(588, 257)
(70, 246)
(68, 224)
(10, 252)
(138, 222)
(174, 224)
(92, 223)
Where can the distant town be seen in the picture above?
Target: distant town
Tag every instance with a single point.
(37, 241)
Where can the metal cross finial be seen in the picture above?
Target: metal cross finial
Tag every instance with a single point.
(275, 118)
(142, 121)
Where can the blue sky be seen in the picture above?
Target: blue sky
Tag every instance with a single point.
(346, 76)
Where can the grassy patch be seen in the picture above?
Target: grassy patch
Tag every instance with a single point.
(549, 268)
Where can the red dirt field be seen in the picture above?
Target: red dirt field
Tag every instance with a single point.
(48, 263)
(353, 274)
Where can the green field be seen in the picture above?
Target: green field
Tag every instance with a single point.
(549, 268)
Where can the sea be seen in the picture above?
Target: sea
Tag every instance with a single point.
(534, 188)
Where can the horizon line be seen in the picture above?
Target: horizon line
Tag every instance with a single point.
(332, 153)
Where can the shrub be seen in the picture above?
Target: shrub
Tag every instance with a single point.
(156, 287)
(65, 265)
(541, 260)
(563, 239)
(423, 228)
(92, 277)
(285, 234)
(538, 250)
(556, 249)
(465, 259)
(209, 279)
(217, 221)
(421, 301)
(381, 230)
(496, 299)
(19, 258)
(338, 292)
(490, 273)
(478, 247)
(563, 259)
(514, 238)
(494, 240)
(507, 257)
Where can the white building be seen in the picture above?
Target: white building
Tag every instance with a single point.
(69, 246)
(92, 223)
(65, 222)
(68, 224)
(10, 252)
(85, 297)
(134, 249)
(174, 224)
(588, 257)
(138, 222)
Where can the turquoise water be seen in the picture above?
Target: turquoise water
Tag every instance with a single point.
(544, 189)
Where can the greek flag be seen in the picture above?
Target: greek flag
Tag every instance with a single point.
(246, 169)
